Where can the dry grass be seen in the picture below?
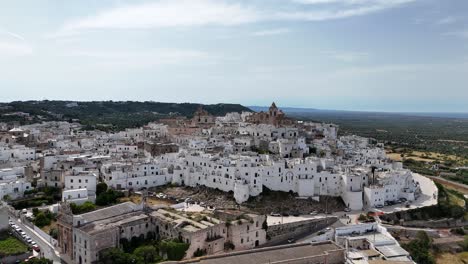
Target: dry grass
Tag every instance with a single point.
(424, 156)
(448, 258)
(47, 228)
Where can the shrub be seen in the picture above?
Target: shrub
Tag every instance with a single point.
(173, 249)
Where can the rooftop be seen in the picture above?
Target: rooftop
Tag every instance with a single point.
(278, 254)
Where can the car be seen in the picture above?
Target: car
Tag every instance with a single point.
(291, 240)
(379, 206)
(386, 203)
(24, 211)
(347, 209)
(36, 248)
(33, 243)
(296, 214)
(29, 240)
(285, 214)
(403, 200)
(275, 214)
(313, 213)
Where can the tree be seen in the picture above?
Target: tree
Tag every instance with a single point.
(173, 249)
(115, 256)
(6, 197)
(146, 254)
(41, 220)
(38, 261)
(419, 248)
(101, 187)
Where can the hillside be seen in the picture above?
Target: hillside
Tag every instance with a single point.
(110, 114)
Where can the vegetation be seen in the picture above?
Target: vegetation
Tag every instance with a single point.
(108, 197)
(106, 115)
(38, 197)
(419, 248)
(144, 251)
(446, 135)
(83, 208)
(9, 245)
(101, 187)
(42, 218)
(38, 261)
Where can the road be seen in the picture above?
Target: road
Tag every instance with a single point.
(459, 186)
(47, 250)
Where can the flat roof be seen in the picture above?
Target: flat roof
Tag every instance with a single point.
(390, 251)
(270, 254)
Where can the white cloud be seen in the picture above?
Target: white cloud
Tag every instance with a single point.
(460, 34)
(184, 13)
(357, 8)
(14, 49)
(167, 13)
(11, 34)
(270, 32)
(346, 56)
(447, 20)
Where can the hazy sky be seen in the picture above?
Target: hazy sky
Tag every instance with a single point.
(386, 55)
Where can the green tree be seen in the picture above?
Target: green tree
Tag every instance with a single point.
(146, 254)
(101, 187)
(174, 250)
(38, 261)
(115, 256)
(42, 220)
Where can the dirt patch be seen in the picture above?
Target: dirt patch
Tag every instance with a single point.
(266, 203)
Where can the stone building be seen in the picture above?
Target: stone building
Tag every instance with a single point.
(274, 116)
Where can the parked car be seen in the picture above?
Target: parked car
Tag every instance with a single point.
(291, 240)
(36, 248)
(313, 213)
(347, 209)
(379, 206)
(275, 214)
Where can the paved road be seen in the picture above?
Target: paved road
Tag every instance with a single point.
(47, 250)
(448, 182)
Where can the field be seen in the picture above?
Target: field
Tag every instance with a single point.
(447, 258)
(10, 245)
(447, 136)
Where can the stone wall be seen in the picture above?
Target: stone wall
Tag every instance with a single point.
(278, 234)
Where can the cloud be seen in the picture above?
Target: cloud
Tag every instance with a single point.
(460, 34)
(352, 8)
(11, 34)
(270, 32)
(447, 20)
(167, 13)
(8, 49)
(186, 13)
(346, 56)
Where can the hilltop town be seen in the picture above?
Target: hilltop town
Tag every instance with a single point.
(239, 186)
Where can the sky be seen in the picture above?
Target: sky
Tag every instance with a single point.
(371, 55)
